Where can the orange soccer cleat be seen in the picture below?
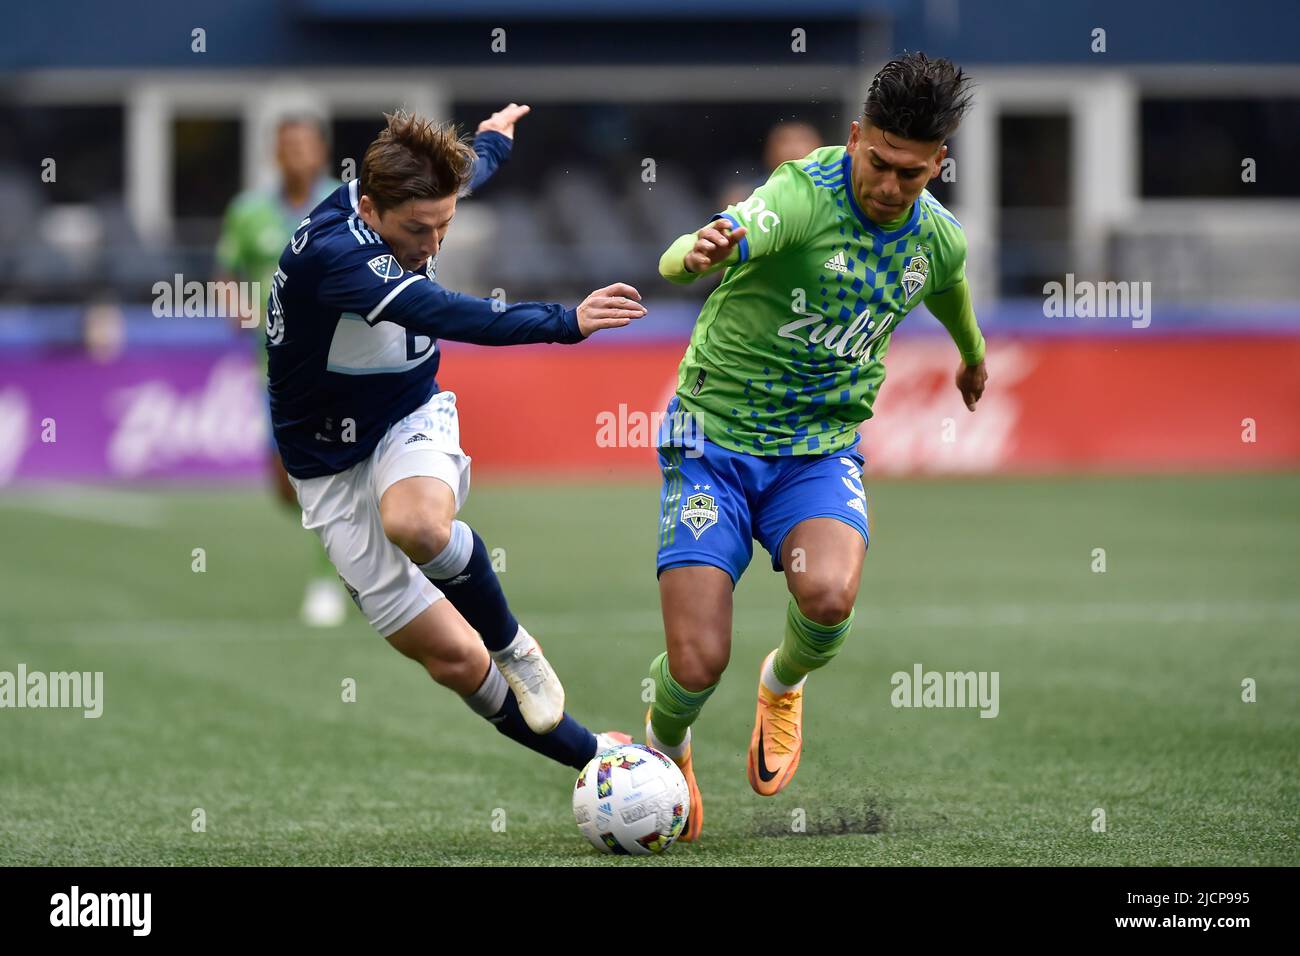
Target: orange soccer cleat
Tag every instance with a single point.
(777, 741)
(695, 817)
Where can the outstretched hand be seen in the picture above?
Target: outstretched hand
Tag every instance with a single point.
(503, 120)
(713, 244)
(609, 308)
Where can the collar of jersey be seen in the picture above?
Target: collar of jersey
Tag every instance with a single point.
(874, 228)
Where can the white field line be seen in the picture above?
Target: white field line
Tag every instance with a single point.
(648, 620)
(103, 506)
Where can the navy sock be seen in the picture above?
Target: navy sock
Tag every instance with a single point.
(464, 573)
(570, 743)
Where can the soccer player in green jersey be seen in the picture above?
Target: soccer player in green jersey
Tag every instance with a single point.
(787, 356)
(257, 225)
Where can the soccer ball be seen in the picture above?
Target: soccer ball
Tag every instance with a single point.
(631, 800)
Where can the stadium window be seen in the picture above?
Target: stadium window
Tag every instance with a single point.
(206, 171)
(84, 141)
(1195, 147)
(1034, 199)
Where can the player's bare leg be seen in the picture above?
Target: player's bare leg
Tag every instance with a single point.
(322, 604)
(822, 558)
(442, 641)
(696, 603)
(419, 516)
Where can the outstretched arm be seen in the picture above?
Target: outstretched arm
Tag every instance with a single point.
(699, 253)
(493, 142)
(426, 307)
(953, 308)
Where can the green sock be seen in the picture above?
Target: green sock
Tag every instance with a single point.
(807, 645)
(675, 708)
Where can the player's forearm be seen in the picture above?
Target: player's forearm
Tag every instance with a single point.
(672, 265)
(492, 149)
(956, 313)
(464, 318)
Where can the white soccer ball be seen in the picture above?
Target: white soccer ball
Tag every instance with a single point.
(631, 800)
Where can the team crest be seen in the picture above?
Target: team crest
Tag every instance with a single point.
(914, 275)
(385, 267)
(700, 513)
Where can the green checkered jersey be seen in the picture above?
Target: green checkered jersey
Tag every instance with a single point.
(787, 355)
(256, 228)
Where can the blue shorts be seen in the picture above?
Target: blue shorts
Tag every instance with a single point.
(715, 503)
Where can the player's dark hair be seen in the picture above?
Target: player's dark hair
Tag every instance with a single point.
(415, 158)
(918, 98)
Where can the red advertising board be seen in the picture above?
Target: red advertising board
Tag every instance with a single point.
(1210, 402)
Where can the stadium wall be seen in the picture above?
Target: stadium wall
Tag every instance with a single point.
(1192, 401)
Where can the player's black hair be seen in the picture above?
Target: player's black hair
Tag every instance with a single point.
(918, 98)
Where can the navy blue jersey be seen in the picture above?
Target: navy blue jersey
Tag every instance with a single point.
(352, 338)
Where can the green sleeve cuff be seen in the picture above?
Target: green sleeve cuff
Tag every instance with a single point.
(672, 268)
(670, 263)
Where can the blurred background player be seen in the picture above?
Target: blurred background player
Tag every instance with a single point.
(762, 434)
(786, 141)
(254, 231)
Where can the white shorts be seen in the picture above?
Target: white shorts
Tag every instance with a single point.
(343, 509)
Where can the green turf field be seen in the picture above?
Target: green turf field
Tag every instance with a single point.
(1119, 691)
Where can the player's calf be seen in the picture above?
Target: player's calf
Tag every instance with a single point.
(440, 641)
(419, 517)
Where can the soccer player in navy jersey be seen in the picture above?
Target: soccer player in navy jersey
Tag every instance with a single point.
(371, 442)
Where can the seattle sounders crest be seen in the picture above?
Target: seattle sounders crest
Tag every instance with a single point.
(915, 273)
(700, 513)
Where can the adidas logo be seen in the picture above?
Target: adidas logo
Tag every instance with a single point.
(836, 263)
(415, 438)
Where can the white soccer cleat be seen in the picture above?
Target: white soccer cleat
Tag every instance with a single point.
(534, 682)
(323, 604)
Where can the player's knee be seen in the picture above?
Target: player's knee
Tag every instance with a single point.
(826, 602)
(702, 668)
(421, 534)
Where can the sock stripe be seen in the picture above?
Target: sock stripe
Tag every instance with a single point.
(454, 558)
(491, 694)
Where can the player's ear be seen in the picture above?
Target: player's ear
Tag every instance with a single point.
(855, 133)
(939, 157)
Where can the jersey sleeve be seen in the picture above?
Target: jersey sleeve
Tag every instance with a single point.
(777, 215)
(492, 149)
(956, 313)
(370, 283)
(953, 263)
